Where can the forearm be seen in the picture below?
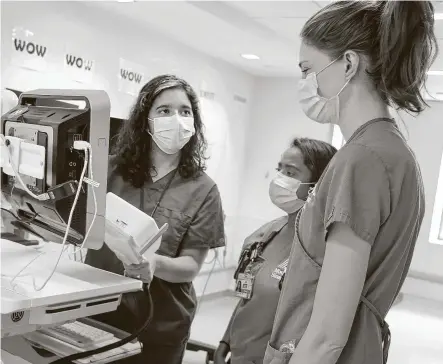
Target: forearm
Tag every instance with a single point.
(176, 270)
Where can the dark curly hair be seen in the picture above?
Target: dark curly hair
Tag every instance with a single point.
(133, 147)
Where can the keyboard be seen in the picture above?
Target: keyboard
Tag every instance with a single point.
(79, 334)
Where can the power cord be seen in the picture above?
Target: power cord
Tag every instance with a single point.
(69, 359)
(63, 249)
(86, 147)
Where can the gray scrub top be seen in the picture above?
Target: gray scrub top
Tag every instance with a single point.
(251, 323)
(374, 185)
(192, 208)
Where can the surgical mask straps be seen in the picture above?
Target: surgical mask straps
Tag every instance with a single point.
(330, 63)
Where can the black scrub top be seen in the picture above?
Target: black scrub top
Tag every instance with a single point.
(192, 208)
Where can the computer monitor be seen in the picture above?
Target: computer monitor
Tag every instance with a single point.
(55, 119)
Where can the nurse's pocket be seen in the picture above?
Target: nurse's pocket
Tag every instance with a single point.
(274, 356)
(178, 225)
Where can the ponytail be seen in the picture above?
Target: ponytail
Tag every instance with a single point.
(397, 38)
(408, 48)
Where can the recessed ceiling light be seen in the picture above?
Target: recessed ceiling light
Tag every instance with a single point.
(435, 73)
(251, 57)
(438, 16)
(125, 1)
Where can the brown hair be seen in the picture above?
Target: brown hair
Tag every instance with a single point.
(396, 37)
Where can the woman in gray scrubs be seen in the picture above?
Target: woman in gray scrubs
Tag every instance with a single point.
(355, 236)
(265, 254)
(158, 166)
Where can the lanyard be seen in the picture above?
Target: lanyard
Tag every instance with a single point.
(142, 195)
(250, 254)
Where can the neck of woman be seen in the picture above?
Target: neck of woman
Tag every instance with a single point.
(361, 108)
(163, 163)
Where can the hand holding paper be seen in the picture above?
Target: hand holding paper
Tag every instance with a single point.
(143, 271)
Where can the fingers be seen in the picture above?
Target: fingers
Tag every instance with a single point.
(139, 271)
(140, 277)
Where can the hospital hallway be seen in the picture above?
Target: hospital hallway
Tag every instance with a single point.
(416, 326)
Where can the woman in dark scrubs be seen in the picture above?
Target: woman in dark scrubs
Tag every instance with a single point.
(265, 254)
(158, 166)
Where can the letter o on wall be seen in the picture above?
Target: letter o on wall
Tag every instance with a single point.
(131, 76)
(79, 64)
(29, 46)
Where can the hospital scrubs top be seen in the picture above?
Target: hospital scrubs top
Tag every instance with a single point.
(374, 186)
(192, 208)
(250, 326)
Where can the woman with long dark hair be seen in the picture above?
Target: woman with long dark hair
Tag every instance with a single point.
(158, 166)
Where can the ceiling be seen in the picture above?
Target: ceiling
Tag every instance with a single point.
(227, 29)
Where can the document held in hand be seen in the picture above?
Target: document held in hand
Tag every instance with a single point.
(131, 234)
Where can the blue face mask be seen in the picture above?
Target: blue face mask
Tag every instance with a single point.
(317, 108)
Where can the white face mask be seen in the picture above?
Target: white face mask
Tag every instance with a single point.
(171, 133)
(317, 108)
(283, 193)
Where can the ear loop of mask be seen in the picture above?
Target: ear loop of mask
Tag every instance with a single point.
(300, 184)
(330, 63)
(346, 83)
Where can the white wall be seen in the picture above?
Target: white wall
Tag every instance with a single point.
(104, 38)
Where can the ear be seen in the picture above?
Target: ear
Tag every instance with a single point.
(352, 61)
(148, 126)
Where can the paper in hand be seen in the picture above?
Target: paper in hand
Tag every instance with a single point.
(122, 244)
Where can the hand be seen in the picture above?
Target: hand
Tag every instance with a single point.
(143, 271)
(221, 353)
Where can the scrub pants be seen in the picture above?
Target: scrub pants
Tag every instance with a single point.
(158, 354)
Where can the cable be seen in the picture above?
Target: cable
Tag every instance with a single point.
(43, 196)
(86, 147)
(20, 218)
(135, 335)
(62, 250)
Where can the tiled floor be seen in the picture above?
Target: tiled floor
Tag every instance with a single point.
(416, 325)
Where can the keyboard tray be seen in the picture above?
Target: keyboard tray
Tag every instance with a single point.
(63, 349)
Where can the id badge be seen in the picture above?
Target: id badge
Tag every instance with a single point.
(245, 283)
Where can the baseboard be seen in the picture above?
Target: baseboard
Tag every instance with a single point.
(425, 288)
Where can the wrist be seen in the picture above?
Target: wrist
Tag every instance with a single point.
(158, 262)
